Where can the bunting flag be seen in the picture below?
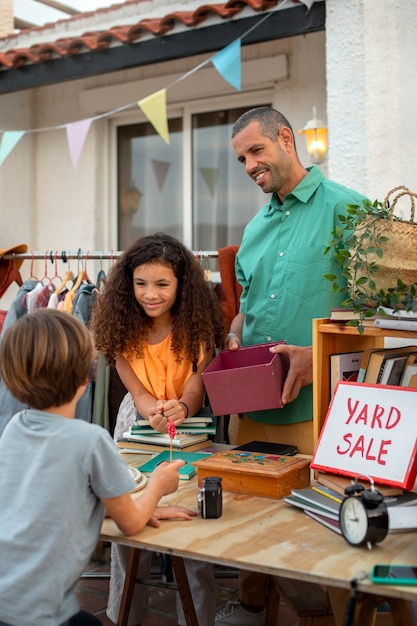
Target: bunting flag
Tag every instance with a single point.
(76, 136)
(227, 62)
(8, 142)
(160, 169)
(155, 109)
(210, 175)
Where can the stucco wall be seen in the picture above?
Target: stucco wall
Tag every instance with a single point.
(371, 50)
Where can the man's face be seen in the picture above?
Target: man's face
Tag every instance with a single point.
(265, 161)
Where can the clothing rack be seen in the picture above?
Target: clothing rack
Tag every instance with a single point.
(64, 255)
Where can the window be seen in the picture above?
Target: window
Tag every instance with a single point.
(217, 203)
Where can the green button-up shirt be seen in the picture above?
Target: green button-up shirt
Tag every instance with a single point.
(281, 266)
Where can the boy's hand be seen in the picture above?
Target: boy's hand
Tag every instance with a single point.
(166, 477)
(170, 512)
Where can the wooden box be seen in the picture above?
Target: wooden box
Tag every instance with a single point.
(256, 474)
(248, 379)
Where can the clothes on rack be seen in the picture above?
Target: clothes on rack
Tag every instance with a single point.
(75, 294)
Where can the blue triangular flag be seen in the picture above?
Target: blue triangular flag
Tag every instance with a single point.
(227, 63)
(8, 142)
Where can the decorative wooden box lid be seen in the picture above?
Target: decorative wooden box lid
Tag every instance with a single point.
(256, 474)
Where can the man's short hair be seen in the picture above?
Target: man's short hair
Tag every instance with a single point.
(45, 357)
(270, 122)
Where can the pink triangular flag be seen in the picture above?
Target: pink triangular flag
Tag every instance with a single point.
(76, 135)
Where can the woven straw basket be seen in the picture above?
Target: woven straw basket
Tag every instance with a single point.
(399, 252)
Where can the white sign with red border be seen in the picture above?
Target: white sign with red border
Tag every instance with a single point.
(370, 430)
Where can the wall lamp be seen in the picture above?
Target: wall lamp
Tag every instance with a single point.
(315, 133)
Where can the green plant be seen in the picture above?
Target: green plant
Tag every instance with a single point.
(357, 244)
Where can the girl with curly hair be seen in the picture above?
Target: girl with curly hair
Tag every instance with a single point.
(159, 321)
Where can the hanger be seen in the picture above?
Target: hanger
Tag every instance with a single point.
(82, 276)
(101, 276)
(68, 276)
(15, 275)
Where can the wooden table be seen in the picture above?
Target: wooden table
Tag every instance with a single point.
(270, 536)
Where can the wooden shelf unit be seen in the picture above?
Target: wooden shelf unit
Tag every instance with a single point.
(331, 338)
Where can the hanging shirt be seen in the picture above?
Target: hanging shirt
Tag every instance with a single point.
(159, 371)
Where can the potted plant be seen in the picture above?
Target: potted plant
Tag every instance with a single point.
(369, 248)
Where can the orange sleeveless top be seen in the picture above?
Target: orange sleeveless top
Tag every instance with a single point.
(160, 373)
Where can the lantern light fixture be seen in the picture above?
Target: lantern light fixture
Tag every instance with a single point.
(315, 132)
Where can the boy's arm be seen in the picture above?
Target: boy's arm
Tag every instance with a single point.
(131, 515)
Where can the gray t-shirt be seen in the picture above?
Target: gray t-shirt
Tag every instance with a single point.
(53, 473)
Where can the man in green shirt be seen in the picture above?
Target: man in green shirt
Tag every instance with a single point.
(281, 266)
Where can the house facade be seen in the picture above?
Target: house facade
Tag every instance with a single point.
(353, 60)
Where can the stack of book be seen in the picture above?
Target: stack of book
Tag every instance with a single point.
(192, 435)
(396, 320)
(322, 502)
(384, 318)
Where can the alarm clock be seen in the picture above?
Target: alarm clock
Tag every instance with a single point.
(363, 515)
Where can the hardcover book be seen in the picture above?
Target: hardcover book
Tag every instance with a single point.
(344, 366)
(186, 472)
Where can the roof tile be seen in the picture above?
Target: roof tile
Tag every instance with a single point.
(124, 35)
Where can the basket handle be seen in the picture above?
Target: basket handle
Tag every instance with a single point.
(404, 191)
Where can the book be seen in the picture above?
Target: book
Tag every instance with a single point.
(333, 524)
(140, 446)
(396, 324)
(304, 505)
(378, 358)
(339, 483)
(344, 366)
(186, 472)
(392, 371)
(413, 381)
(328, 492)
(410, 368)
(312, 497)
(343, 314)
(402, 518)
(265, 447)
(191, 429)
(364, 364)
(179, 441)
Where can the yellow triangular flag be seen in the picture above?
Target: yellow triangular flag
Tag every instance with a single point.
(155, 109)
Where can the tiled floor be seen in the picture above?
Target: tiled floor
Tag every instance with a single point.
(92, 594)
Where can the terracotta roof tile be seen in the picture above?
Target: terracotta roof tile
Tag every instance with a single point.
(124, 35)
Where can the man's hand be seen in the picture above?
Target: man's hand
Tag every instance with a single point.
(300, 373)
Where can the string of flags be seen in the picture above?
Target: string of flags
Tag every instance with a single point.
(227, 62)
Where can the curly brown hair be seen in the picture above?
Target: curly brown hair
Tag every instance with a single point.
(119, 324)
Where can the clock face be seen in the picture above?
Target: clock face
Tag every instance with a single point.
(353, 521)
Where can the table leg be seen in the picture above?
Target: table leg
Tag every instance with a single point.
(129, 586)
(184, 590)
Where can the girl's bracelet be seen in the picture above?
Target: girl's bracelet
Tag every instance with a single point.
(186, 407)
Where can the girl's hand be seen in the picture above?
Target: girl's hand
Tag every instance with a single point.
(157, 419)
(170, 512)
(174, 411)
